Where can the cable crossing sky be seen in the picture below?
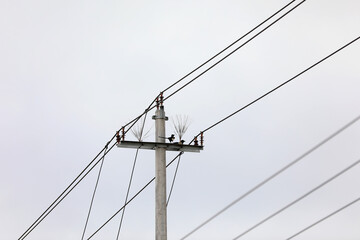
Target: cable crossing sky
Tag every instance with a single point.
(324, 218)
(298, 199)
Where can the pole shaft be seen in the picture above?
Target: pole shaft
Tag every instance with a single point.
(160, 177)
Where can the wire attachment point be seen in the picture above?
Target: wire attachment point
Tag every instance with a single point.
(161, 98)
(123, 133)
(196, 142)
(118, 136)
(202, 139)
(157, 103)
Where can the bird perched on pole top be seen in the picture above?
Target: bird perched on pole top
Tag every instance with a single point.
(171, 138)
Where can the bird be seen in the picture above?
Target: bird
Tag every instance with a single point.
(171, 138)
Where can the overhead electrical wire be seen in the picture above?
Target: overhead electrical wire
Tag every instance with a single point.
(142, 189)
(173, 181)
(279, 86)
(226, 48)
(213, 57)
(131, 175)
(236, 49)
(127, 193)
(61, 197)
(80, 176)
(324, 218)
(67, 188)
(262, 183)
(249, 104)
(93, 196)
(298, 199)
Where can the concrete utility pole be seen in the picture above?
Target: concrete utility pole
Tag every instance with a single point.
(160, 146)
(160, 175)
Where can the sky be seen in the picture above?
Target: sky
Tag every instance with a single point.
(73, 72)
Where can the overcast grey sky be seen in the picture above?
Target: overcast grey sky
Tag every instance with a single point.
(73, 72)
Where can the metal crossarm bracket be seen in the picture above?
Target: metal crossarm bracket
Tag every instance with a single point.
(153, 145)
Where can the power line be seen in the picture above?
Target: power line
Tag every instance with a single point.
(327, 139)
(132, 172)
(249, 104)
(226, 48)
(142, 189)
(132, 122)
(324, 218)
(279, 86)
(173, 181)
(127, 193)
(298, 199)
(236, 49)
(61, 198)
(66, 189)
(135, 120)
(93, 197)
(65, 193)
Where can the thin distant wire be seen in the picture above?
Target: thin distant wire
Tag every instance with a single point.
(226, 48)
(52, 207)
(132, 173)
(127, 193)
(143, 125)
(93, 195)
(173, 181)
(327, 139)
(135, 120)
(330, 215)
(298, 199)
(236, 49)
(53, 203)
(142, 189)
(279, 86)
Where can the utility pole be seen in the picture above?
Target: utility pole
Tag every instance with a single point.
(160, 175)
(160, 146)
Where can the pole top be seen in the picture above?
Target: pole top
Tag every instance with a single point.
(160, 114)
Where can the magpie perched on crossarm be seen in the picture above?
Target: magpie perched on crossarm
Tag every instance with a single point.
(171, 138)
